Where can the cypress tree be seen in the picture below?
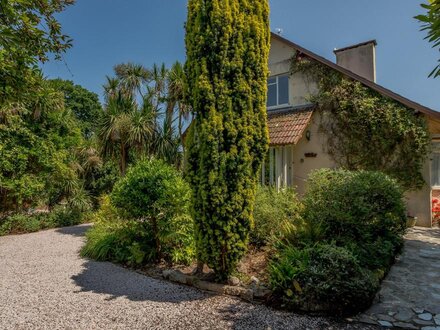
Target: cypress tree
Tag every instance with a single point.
(227, 43)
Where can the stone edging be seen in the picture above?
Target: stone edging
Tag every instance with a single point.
(248, 294)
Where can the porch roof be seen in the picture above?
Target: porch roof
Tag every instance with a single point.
(287, 126)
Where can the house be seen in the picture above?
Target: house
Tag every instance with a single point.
(297, 144)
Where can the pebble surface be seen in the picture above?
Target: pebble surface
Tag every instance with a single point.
(44, 284)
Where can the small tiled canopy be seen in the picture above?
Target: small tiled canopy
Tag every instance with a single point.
(287, 127)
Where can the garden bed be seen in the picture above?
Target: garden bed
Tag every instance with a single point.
(324, 254)
(250, 282)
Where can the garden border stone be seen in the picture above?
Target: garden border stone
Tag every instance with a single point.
(235, 291)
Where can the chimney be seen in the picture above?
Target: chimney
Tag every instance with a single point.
(360, 59)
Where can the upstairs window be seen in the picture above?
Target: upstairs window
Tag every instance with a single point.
(278, 91)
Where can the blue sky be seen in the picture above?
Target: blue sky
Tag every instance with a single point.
(107, 32)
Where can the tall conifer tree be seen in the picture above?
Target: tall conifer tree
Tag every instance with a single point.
(227, 44)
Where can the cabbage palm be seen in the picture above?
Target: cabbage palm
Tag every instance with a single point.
(176, 97)
(139, 113)
(132, 78)
(124, 127)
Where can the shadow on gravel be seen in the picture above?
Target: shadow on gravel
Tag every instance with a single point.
(75, 230)
(246, 316)
(109, 279)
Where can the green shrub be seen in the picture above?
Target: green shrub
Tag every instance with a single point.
(131, 242)
(64, 216)
(153, 193)
(114, 239)
(19, 224)
(352, 229)
(123, 242)
(60, 216)
(274, 212)
(362, 209)
(322, 277)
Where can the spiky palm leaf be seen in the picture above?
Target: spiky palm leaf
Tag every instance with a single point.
(132, 77)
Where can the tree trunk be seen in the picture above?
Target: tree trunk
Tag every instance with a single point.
(180, 133)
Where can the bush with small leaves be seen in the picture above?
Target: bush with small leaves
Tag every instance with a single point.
(358, 208)
(155, 194)
(322, 277)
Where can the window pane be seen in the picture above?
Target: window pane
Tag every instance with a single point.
(283, 90)
(435, 170)
(271, 95)
(272, 80)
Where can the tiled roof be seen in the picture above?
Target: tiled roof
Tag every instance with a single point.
(287, 127)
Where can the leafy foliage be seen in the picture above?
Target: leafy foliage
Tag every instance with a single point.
(274, 213)
(138, 119)
(227, 54)
(83, 103)
(113, 238)
(20, 223)
(28, 32)
(116, 238)
(353, 228)
(38, 135)
(365, 209)
(322, 277)
(37, 141)
(155, 193)
(365, 130)
(431, 24)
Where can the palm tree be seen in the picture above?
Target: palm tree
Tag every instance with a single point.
(132, 78)
(124, 127)
(176, 78)
(139, 113)
(111, 88)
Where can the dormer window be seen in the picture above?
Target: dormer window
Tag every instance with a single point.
(278, 91)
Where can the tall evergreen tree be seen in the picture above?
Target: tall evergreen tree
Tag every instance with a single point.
(227, 44)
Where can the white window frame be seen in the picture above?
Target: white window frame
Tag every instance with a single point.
(278, 90)
(280, 167)
(434, 187)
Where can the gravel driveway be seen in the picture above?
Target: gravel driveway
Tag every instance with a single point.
(44, 284)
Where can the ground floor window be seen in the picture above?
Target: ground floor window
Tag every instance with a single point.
(435, 165)
(277, 169)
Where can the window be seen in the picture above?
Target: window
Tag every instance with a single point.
(277, 167)
(435, 165)
(278, 91)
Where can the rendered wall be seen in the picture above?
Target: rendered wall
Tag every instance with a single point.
(418, 202)
(300, 87)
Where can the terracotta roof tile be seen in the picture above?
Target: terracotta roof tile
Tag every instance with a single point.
(287, 127)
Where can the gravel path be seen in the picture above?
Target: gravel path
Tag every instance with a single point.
(44, 284)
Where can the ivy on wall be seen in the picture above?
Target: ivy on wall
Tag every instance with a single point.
(364, 129)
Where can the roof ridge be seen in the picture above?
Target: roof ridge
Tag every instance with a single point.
(378, 88)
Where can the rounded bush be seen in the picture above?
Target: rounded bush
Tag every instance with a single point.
(151, 189)
(320, 278)
(361, 208)
(155, 194)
